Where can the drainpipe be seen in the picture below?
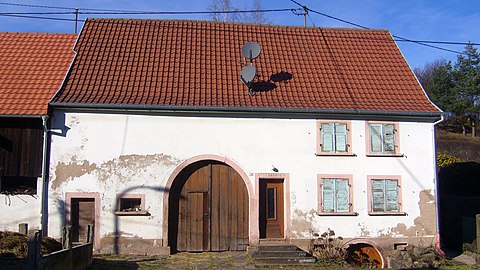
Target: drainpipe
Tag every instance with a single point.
(436, 184)
(44, 199)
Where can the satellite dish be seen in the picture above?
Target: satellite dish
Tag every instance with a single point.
(251, 50)
(248, 74)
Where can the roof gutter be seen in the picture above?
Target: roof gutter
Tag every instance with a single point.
(264, 112)
(40, 116)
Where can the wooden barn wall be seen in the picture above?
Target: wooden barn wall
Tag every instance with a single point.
(21, 147)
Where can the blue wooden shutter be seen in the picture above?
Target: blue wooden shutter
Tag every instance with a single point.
(340, 137)
(342, 195)
(391, 187)
(389, 138)
(328, 194)
(378, 197)
(327, 137)
(375, 138)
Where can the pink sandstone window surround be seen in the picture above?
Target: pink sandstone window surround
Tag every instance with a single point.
(131, 205)
(335, 196)
(333, 138)
(385, 195)
(382, 139)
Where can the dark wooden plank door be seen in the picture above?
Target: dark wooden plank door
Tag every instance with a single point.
(82, 214)
(213, 210)
(271, 209)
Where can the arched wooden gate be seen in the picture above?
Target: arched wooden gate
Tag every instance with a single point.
(208, 209)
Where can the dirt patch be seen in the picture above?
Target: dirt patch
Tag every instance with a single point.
(14, 245)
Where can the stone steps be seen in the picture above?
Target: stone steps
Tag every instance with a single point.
(279, 254)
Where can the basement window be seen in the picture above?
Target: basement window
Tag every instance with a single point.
(131, 205)
(18, 185)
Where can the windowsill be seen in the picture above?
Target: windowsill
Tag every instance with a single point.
(337, 214)
(385, 155)
(387, 213)
(336, 154)
(132, 213)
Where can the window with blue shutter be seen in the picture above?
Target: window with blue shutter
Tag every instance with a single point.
(334, 137)
(382, 138)
(384, 195)
(335, 195)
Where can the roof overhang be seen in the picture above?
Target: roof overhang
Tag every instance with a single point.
(250, 112)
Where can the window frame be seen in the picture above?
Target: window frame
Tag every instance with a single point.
(399, 211)
(368, 139)
(142, 211)
(319, 138)
(349, 179)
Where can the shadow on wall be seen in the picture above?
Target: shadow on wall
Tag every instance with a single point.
(459, 202)
(116, 247)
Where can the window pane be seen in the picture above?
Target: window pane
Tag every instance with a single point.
(327, 137)
(392, 195)
(270, 203)
(328, 195)
(389, 139)
(343, 200)
(376, 138)
(341, 137)
(378, 196)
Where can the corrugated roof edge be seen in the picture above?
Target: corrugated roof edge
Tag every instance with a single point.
(248, 112)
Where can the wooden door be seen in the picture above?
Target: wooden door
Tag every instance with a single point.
(82, 214)
(212, 209)
(271, 208)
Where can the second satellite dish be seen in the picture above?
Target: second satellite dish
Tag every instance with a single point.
(251, 50)
(248, 74)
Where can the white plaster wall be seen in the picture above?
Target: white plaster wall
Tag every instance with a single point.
(18, 209)
(113, 153)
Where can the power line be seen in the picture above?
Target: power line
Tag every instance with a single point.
(33, 6)
(40, 17)
(399, 38)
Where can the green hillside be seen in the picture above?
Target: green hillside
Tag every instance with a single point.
(466, 148)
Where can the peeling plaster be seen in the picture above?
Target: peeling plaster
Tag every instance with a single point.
(425, 224)
(303, 223)
(123, 167)
(363, 231)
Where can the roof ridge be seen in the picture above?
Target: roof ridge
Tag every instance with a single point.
(238, 24)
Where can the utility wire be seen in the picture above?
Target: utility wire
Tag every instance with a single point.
(33, 6)
(139, 12)
(183, 12)
(398, 38)
(43, 18)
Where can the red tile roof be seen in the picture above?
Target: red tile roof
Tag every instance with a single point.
(32, 68)
(198, 63)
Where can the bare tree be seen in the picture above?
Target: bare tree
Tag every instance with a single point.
(219, 6)
(258, 17)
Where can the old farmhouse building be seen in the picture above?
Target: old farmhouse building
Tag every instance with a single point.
(158, 142)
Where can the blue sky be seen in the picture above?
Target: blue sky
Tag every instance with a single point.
(433, 20)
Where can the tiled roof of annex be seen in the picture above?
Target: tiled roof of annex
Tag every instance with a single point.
(32, 68)
(198, 63)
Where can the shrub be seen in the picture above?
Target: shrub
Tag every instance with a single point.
(446, 159)
(327, 248)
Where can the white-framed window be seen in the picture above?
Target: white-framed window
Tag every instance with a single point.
(333, 137)
(382, 138)
(335, 194)
(385, 195)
